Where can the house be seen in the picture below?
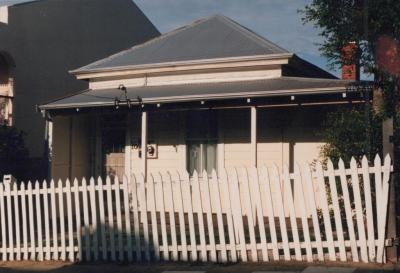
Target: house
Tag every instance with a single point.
(210, 95)
(41, 40)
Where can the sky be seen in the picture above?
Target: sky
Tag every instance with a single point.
(276, 20)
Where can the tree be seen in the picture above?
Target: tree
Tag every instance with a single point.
(13, 153)
(344, 134)
(374, 27)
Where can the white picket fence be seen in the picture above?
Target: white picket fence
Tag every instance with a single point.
(243, 215)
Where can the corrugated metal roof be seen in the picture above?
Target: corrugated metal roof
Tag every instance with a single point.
(14, 2)
(209, 38)
(202, 91)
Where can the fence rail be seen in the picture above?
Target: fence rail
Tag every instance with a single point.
(311, 214)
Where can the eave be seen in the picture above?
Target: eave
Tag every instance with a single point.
(184, 66)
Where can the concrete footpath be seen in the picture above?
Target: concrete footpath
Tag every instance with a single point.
(57, 267)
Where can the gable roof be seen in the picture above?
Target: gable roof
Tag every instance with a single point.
(209, 38)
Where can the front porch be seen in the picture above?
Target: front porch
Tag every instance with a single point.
(109, 142)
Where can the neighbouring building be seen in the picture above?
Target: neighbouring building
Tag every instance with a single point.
(40, 41)
(210, 95)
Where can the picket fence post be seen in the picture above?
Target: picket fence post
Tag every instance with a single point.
(119, 219)
(86, 229)
(313, 208)
(159, 198)
(24, 223)
(186, 192)
(134, 188)
(217, 201)
(271, 213)
(369, 213)
(336, 211)
(31, 220)
(78, 218)
(110, 214)
(238, 215)
(143, 216)
(281, 211)
(259, 213)
(229, 215)
(207, 206)
(182, 228)
(250, 216)
(292, 212)
(102, 219)
(126, 192)
(197, 201)
(7, 190)
(46, 219)
(71, 256)
(62, 219)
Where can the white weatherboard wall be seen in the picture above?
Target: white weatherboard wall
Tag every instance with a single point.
(279, 131)
(166, 130)
(71, 146)
(187, 78)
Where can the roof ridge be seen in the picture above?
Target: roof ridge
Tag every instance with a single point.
(259, 39)
(153, 40)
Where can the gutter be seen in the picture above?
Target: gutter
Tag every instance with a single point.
(206, 97)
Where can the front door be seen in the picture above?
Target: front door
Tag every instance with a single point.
(113, 129)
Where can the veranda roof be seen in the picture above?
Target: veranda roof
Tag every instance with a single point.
(283, 86)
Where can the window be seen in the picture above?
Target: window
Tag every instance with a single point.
(201, 141)
(6, 89)
(202, 156)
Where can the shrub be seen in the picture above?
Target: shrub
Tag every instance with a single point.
(13, 152)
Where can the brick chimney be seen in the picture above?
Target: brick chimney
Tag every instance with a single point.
(350, 67)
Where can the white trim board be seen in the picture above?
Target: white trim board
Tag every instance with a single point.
(4, 14)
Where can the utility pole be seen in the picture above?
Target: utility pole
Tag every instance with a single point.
(388, 149)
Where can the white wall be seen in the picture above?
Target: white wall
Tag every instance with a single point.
(166, 130)
(217, 75)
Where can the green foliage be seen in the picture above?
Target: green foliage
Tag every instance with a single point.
(374, 25)
(359, 21)
(351, 132)
(13, 153)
